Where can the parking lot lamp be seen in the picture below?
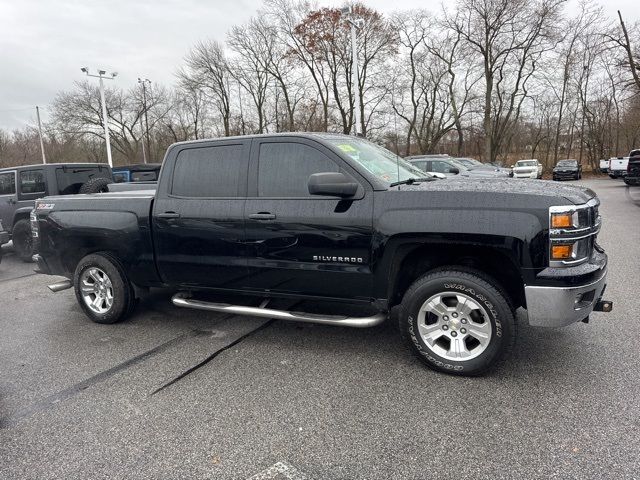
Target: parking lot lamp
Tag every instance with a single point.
(354, 23)
(101, 76)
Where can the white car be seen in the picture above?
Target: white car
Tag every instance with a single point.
(530, 168)
(604, 165)
(618, 167)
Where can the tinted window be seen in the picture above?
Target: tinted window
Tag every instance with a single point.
(441, 167)
(32, 181)
(7, 183)
(284, 169)
(421, 164)
(209, 171)
(70, 178)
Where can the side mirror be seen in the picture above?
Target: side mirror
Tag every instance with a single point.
(454, 170)
(332, 184)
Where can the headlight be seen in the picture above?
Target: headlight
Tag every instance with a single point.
(572, 233)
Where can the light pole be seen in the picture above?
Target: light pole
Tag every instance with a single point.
(101, 76)
(355, 23)
(44, 158)
(144, 83)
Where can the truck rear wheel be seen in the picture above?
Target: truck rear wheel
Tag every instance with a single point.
(102, 288)
(457, 321)
(23, 240)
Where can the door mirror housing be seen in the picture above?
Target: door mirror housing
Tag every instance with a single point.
(454, 170)
(332, 184)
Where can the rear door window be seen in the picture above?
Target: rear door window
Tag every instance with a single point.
(210, 172)
(8, 183)
(32, 182)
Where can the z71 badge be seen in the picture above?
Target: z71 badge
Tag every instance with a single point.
(326, 258)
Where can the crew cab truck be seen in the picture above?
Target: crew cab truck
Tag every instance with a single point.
(336, 218)
(21, 186)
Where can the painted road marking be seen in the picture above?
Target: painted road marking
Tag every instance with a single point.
(280, 471)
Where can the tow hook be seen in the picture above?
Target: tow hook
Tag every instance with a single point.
(603, 306)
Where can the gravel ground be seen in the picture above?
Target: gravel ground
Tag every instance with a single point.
(277, 400)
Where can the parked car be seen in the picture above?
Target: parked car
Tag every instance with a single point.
(530, 168)
(4, 238)
(451, 167)
(618, 167)
(446, 166)
(568, 169)
(604, 166)
(21, 186)
(350, 223)
(633, 169)
(142, 172)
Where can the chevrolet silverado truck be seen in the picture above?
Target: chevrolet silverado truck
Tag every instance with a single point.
(334, 218)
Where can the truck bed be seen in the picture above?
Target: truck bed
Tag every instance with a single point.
(118, 222)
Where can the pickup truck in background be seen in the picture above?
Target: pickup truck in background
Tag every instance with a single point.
(618, 167)
(337, 220)
(21, 186)
(633, 168)
(604, 165)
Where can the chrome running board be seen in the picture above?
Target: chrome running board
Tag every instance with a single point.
(183, 300)
(58, 287)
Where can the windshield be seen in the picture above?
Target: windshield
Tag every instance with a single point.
(567, 163)
(376, 160)
(527, 163)
(468, 162)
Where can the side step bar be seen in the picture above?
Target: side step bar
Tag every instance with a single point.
(58, 287)
(183, 300)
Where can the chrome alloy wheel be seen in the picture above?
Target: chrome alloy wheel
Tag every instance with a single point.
(454, 326)
(97, 290)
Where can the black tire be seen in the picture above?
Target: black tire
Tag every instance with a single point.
(95, 185)
(23, 240)
(484, 291)
(123, 295)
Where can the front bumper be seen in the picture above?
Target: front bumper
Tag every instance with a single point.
(565, 175)
(4, 237)
(533, 174)
(561, 306)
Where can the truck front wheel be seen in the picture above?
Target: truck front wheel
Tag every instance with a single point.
(457, 321)
(102, 288)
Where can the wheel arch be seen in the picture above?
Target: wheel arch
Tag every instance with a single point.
(411, 262)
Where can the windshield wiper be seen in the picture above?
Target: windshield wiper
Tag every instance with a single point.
(411, 181)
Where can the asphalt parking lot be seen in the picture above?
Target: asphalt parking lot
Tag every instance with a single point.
(185, 394)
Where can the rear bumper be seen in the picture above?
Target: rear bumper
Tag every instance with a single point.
(549, 306)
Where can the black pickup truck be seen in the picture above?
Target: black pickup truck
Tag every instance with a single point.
(327, 217)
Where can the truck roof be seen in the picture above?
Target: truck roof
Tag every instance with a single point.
(314, 135)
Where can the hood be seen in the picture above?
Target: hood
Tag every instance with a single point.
(525, 169)
(538, 188)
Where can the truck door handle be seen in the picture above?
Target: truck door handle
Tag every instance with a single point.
(169, 215)
(262, 216)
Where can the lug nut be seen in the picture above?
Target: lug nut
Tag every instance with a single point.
(464, 320)
(453, 334)
(463, 330)
(444, 327)
(454, 315)
(445, 318)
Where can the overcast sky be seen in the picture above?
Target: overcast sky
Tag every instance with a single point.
(44, 43)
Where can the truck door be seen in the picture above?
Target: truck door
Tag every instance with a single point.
(198, 212)
(299, 243)
(8, 198)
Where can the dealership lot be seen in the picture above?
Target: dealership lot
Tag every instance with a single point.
(181, 394)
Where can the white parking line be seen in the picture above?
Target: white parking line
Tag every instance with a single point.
(280, 471)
